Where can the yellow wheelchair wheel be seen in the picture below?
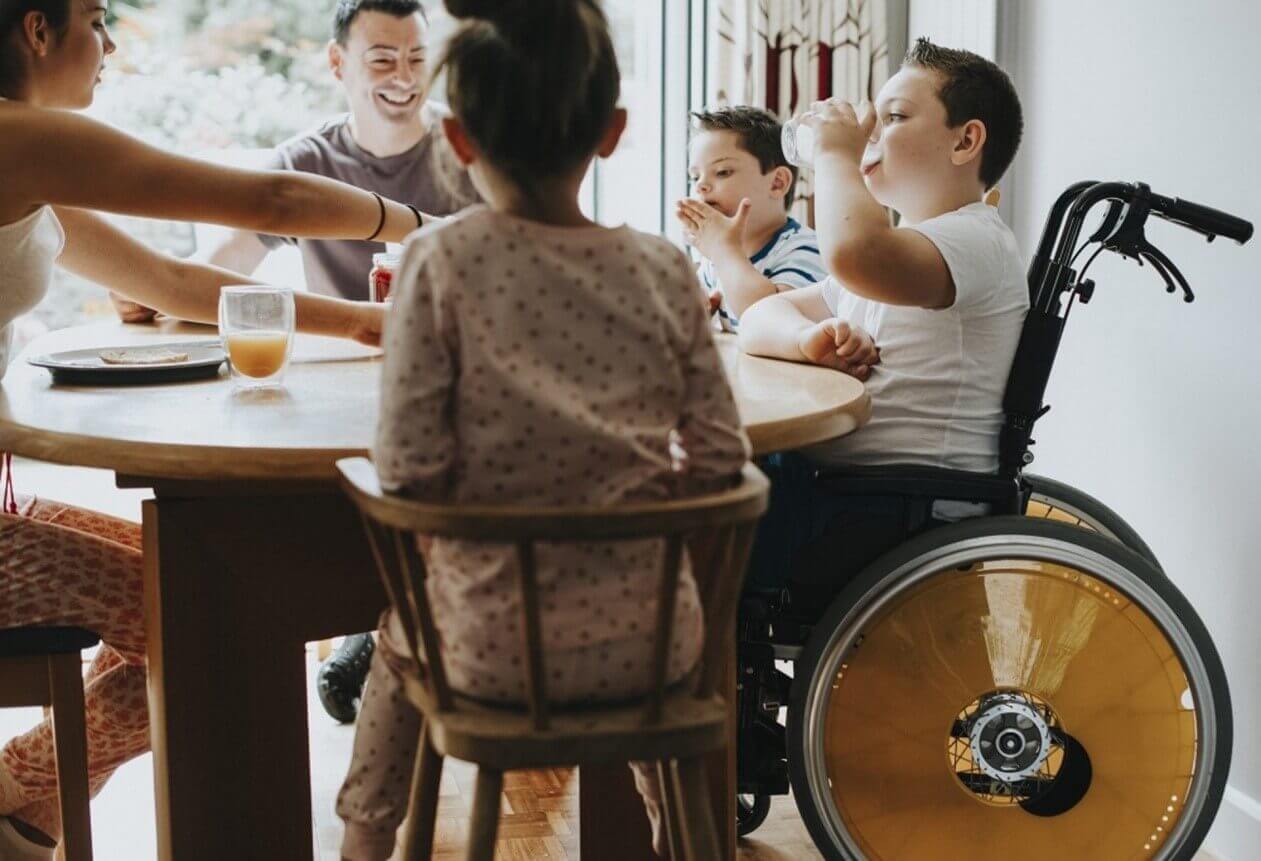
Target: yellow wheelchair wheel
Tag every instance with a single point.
(1009, 685)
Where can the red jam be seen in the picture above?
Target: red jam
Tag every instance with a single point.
(381, 279)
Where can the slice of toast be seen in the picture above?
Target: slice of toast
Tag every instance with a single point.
(142, 356)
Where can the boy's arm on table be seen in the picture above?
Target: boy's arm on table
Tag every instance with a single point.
(799, 326)
(860, 247)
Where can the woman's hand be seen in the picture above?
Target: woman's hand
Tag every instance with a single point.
(367, 323)
(836, 344)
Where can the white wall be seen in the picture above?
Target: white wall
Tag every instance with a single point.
(1157, 404)
(967, 24)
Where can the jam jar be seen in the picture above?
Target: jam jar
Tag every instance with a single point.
(381, 278)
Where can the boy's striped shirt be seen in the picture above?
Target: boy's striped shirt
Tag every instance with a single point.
(791, 258)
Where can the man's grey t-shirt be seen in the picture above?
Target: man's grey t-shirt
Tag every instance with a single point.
(427, 176)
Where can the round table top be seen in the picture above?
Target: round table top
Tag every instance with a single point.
(326, 410)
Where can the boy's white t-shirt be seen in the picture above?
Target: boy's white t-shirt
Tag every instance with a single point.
(937, 394)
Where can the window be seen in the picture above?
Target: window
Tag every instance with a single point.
(660, 64)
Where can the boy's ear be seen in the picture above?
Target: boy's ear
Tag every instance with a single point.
(613, 134)
(335, 58)
(970, 142)
(459, 140)
(781, 181)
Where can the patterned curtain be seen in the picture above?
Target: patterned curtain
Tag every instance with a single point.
(784, 54)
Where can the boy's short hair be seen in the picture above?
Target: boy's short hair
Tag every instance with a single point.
(759, 133)
(348, 11)
(973, 88)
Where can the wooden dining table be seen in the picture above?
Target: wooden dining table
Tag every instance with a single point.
(251, 551)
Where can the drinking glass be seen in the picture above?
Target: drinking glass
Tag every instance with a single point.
(797, 140)
(256, 325)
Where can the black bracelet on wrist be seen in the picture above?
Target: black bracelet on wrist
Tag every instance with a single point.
(381, 223)
(420, 222)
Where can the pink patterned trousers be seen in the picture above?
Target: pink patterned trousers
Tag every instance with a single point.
(65, 566)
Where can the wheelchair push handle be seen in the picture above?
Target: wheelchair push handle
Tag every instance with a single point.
(1202, 219)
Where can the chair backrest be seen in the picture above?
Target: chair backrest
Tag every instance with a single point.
(716, 528)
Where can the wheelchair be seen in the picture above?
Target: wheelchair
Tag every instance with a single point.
(1024, 681)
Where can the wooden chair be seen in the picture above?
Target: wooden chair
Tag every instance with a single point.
(674, 727)
(44, 667)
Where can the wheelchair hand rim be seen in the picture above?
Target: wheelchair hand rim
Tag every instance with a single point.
(1016, 544)
(1084, 519)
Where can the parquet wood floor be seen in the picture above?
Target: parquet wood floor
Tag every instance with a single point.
(539, 820)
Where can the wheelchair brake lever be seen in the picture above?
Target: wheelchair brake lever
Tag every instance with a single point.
(1109, 223)
(1126, 237)
(1168, 271)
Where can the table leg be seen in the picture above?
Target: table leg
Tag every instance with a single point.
(613, 825)
(234, 588)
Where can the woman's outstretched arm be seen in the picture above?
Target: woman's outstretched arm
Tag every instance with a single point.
(61, 158)
(104, 254)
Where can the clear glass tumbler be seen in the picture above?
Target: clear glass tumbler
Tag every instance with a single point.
(797, 140)
(256, 324)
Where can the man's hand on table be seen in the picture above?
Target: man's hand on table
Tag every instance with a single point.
(129, 311)
(836, 344)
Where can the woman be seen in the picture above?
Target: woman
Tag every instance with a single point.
(60, 565)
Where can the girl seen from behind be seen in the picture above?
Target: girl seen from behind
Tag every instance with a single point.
(536, 358)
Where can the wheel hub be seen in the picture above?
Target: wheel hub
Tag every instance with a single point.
(1010, 740)
(1005, 747)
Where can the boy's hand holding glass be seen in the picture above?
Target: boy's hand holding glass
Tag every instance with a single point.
(836, 344)
(711, 232)
(840, 128)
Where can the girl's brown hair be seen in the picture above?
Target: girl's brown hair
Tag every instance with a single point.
(535, 83)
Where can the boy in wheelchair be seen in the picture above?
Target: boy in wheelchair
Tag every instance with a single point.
(943, 295)
(1031, 662)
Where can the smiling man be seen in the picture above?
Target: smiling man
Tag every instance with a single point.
(390, 142)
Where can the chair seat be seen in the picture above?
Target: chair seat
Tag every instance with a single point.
(35, 641)
(506, 739)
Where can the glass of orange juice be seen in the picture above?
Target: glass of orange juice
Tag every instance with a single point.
(256, 325)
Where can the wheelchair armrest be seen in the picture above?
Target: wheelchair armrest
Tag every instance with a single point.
(919, 482)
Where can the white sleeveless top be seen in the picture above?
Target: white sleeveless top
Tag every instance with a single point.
(29, 248)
